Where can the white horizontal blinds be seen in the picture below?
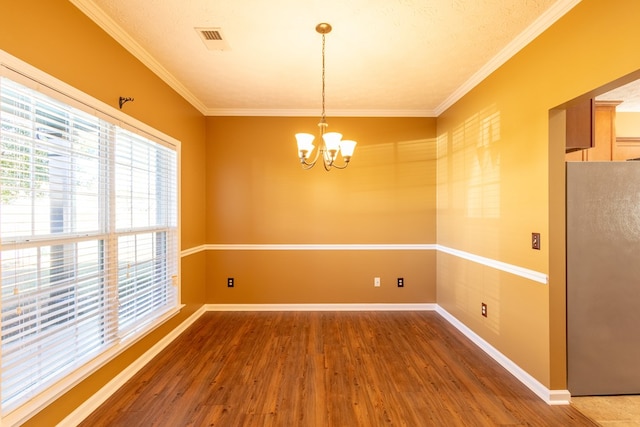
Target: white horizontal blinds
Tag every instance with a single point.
(145, 182)
(53, 264)
(74, 198)
(50, 167)
(53, 319)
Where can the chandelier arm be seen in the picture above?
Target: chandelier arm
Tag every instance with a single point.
(337, 166)
(311, 164)
(307, 166)
(327, 163)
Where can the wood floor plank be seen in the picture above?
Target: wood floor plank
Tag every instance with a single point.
(326, 369)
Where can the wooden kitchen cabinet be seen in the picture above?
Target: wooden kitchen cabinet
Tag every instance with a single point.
(579, 125)
(603, 130)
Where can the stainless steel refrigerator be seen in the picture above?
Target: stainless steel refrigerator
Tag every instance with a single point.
(603, 278)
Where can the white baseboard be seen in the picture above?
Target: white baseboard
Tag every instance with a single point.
(551, 397)
(91, 404)
(321, 307)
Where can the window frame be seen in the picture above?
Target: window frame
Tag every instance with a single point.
(27, 75)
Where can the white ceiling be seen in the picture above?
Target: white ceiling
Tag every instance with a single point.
(383, 57)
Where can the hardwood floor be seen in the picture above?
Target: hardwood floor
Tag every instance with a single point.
(326, 369)
(618, 411)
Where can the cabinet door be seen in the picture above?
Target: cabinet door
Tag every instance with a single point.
(579, 125)
(604, 131)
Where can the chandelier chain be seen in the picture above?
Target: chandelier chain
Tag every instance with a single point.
(323, 114)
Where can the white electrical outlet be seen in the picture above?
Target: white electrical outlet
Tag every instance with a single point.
(376, 282)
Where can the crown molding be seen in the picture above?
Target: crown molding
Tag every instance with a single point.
(100, 18)
(97, 15)
(315, 113)
(548, 18)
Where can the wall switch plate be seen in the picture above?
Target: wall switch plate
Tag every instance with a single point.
(400, 282)
(535, 241)
(376, 282)
(230, 282)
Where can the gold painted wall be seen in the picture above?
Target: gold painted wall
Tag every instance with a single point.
(499, 181)
(58, 39)
(627, 124)
(258, 194)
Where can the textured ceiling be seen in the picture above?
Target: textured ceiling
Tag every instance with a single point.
(628, 94)
(383, 57)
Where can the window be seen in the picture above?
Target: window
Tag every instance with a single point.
(88, 236)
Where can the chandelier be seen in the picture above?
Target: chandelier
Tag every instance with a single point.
(331, 143)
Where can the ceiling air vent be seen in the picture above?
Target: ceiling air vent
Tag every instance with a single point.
(211, 35)
(213, 38)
